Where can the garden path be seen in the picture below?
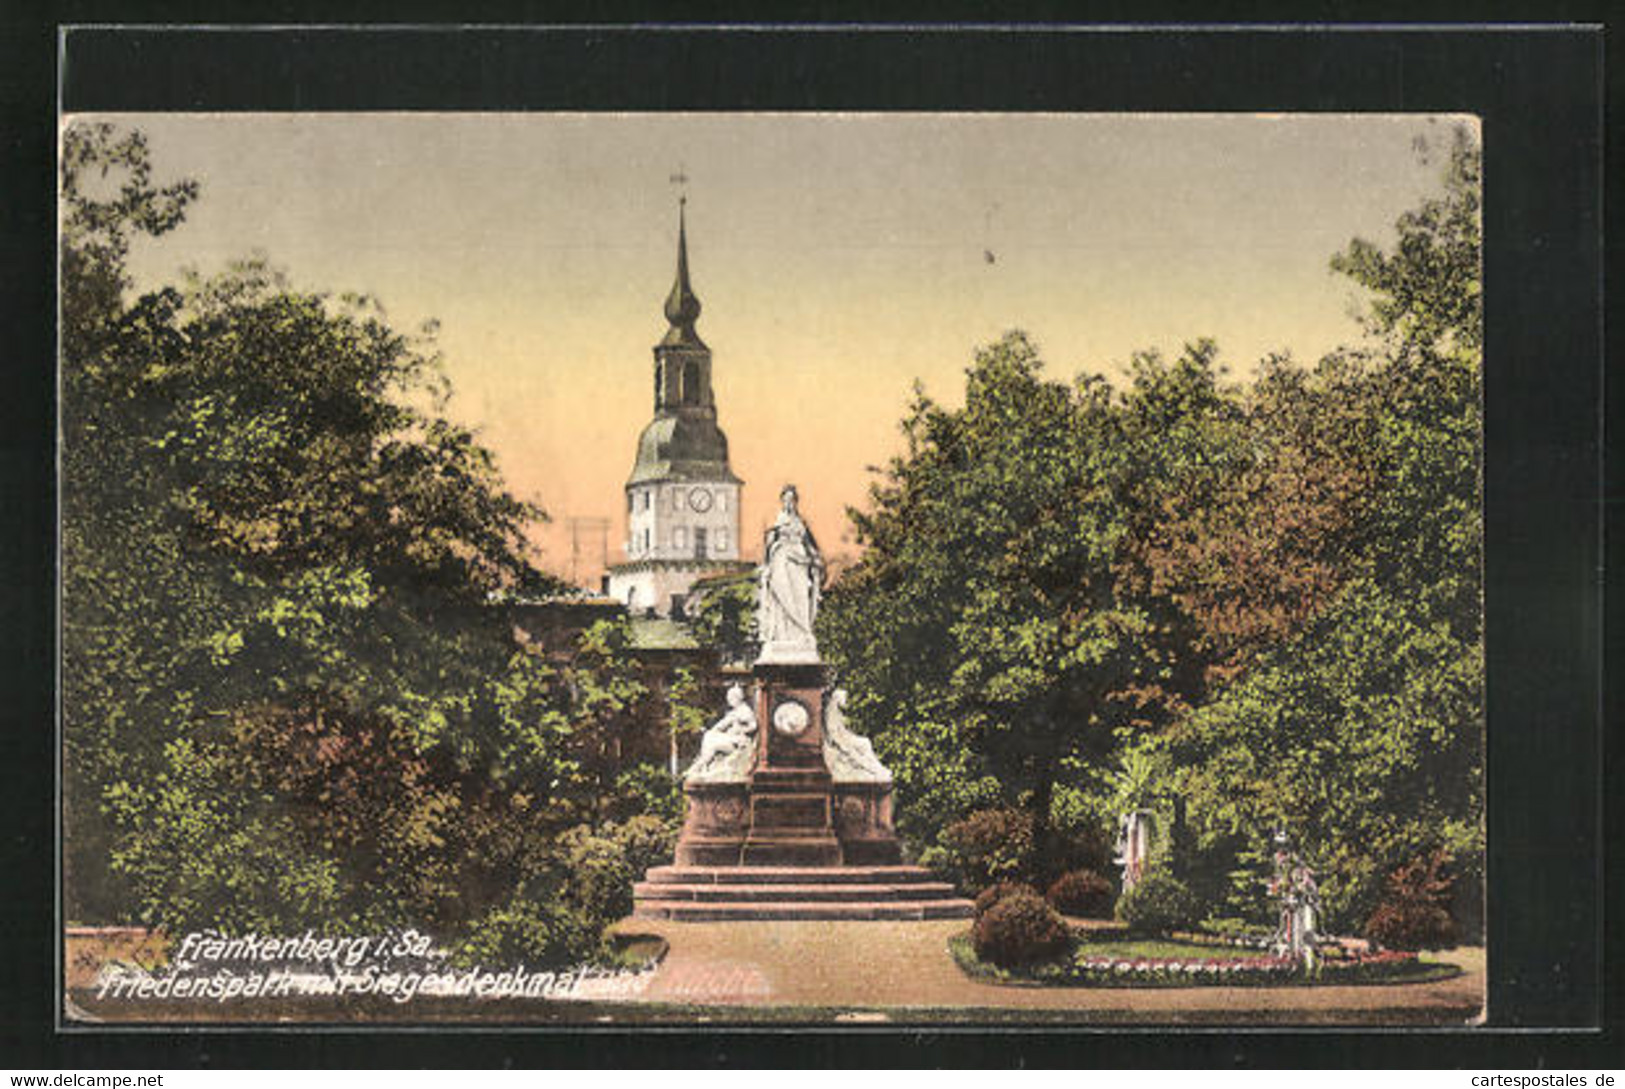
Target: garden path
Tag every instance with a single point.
(902, 965)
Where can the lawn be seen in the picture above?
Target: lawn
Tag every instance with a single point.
(1163, 948)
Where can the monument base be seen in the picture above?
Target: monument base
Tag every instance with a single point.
(791, 819)
(863, 824)
(714, 825)
(788, 841)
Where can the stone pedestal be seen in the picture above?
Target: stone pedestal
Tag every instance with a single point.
(714, 826)
(863, 824)
(792, 818)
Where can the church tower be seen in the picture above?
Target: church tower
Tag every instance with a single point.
(682, 499)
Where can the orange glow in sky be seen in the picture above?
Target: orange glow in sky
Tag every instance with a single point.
(839, 259)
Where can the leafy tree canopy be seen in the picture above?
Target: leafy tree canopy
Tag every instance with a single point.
(1268, 592)
(285, 696)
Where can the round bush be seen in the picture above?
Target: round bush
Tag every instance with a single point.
(989, 845)
(1159, 903)
(996, 892)
(1020, 929)
(1083, 893)
(1410, 925)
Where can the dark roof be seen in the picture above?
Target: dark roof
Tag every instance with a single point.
(682, 446)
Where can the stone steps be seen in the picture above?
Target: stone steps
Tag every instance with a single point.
(720, 893)
(696, 912)
(848, 892)
(789, 875)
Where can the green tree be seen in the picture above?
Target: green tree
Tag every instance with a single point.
(1363, 733)
(607, 711)
(1244, 506)
(983, 627)
(121, 559)
(1425, 536)
(277, 553)
(724, 617)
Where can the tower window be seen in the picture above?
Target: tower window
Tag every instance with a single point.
(722, 502)
(679, 538)
(645, 500)
(722, 541)
(677, 499)
(691, 383)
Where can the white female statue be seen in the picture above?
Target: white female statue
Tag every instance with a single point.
(727, 750)
(791, 579)
(850, 757)
(1299, 898)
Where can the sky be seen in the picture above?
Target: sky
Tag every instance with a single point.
(839, 259)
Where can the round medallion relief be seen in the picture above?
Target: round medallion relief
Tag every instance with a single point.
(790, 718)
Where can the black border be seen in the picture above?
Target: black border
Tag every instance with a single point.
(1540, 94)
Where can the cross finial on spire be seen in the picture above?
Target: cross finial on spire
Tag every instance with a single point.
(682, 307)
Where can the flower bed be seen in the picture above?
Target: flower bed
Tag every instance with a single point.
(1097, 964)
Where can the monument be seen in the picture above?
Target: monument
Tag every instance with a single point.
(1135, 830)
(1298, 902)
(789, 812)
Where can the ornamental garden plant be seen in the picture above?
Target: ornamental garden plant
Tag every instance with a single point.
(1185, 959)
(1019, 937)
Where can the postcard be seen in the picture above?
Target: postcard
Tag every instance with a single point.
(801, 568)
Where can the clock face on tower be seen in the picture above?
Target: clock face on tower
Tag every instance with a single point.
(700, 500)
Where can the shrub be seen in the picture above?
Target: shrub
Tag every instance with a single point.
(1080, 842)
(938, 859)
(529, 932)
(1411, 926)
(998, 891)
(990, 845)
(603, 865)
(1082, 892)
(648, 789)
(646, 841)
(1020, 929)
(1158, 904)
(1413, 914)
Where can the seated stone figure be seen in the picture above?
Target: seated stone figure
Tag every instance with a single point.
(728, 748)
(849, 756)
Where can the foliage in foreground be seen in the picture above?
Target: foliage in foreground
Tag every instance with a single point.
(286, 700)
(1158, 903)
(1413, 913)
(998, 891)
(1019, 928)
(1083, 893)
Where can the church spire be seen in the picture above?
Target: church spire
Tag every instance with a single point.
(682, 305)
